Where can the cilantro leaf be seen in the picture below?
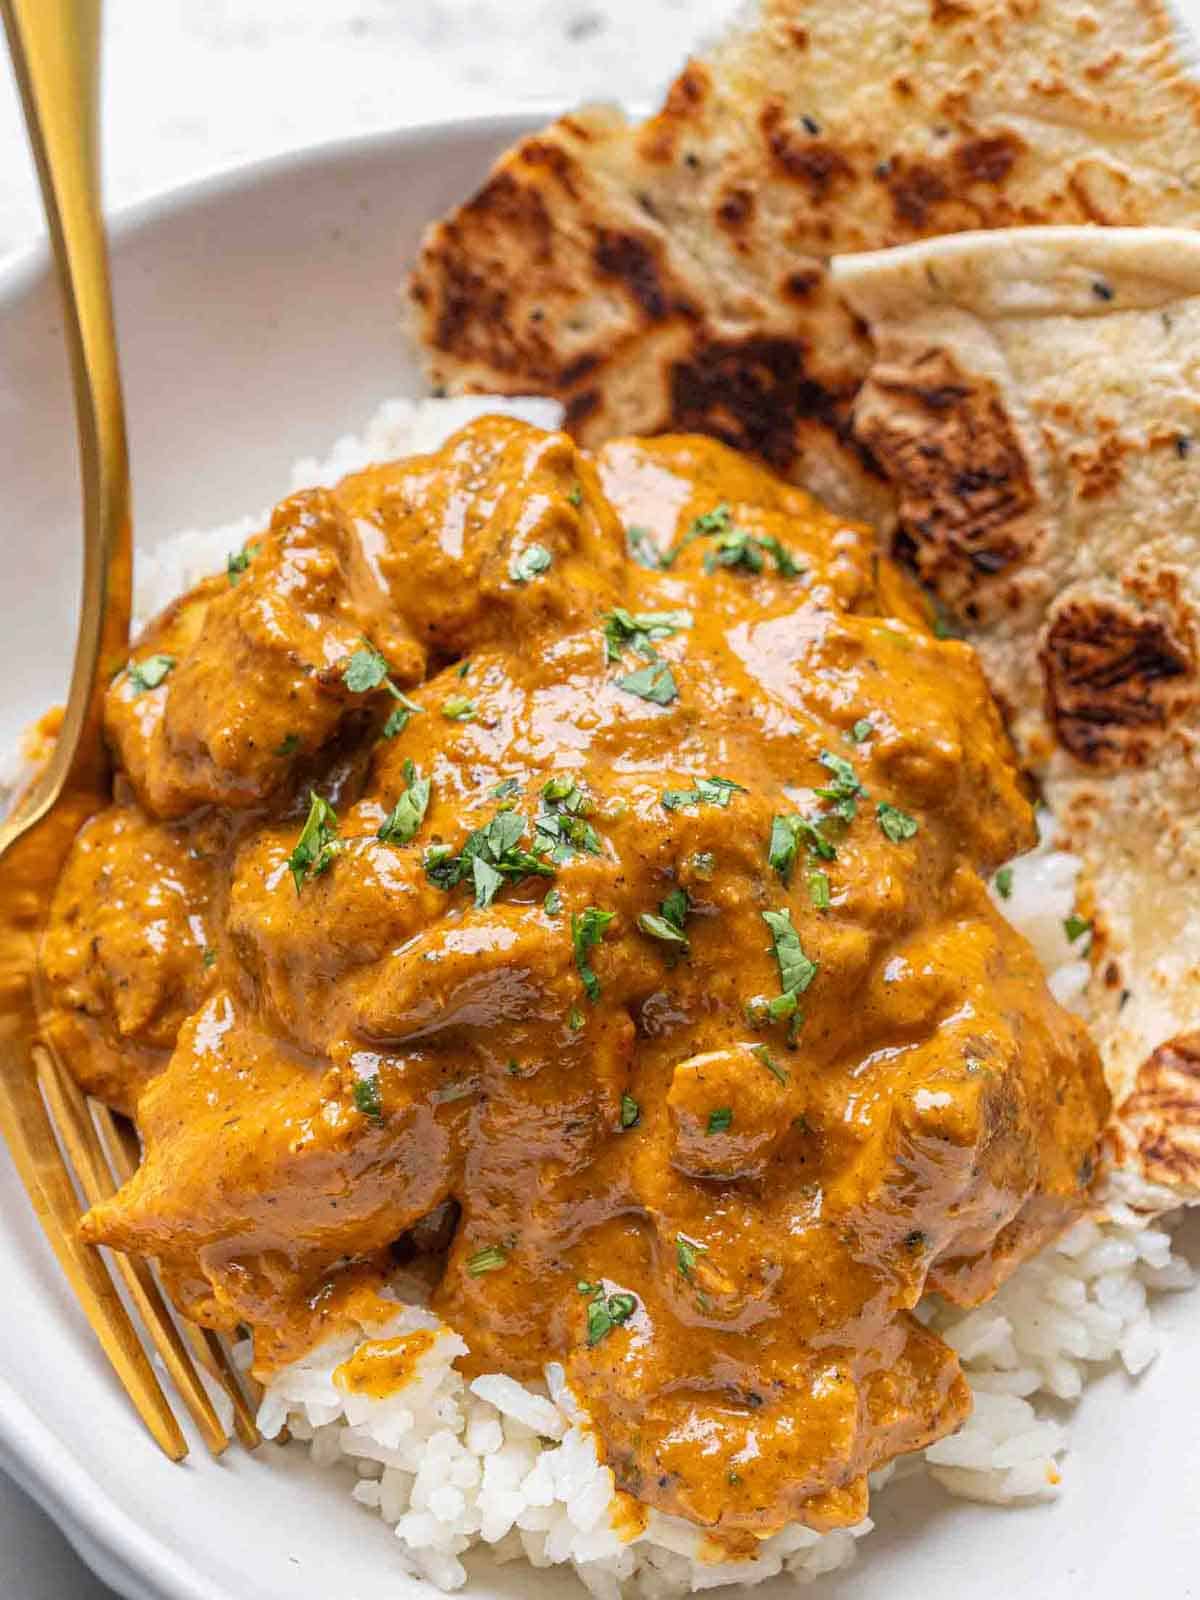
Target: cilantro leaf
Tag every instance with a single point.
(488, 1259)
(631, 1112)
(149, 672)
(398, 717)
(318, 842)
(365, 670)
(660, 928)
(367, 1097)
(769, 1061)
(845, 788)
(529, 563)
(237, 561)
(605, 1312)
(861, 731)
(561, 826)
(675, 907)
(687, 1253)
(734, 547)
(587, 930)
(707, 791)
(457, 708)
(654, 682)
(1076, 926)
(818, 890)
(720, 1119)
(642, 549)
(489, 855)
(408, 813)
(639, 630)
(796, 971)
(787, 835)
(895, 824)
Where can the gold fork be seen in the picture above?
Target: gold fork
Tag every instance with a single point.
(44, 1117)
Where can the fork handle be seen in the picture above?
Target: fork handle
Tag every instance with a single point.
(55, 51)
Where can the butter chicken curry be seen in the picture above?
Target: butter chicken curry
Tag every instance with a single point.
(565, 872)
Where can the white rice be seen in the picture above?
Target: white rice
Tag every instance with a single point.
(451, 1466)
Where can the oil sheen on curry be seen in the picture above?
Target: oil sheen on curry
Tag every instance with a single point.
(563, 874)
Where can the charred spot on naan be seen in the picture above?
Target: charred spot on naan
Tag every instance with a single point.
(1157, 1126)
(968, 504)
(1117, 679)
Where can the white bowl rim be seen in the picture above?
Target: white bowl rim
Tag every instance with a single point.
(120, 1551)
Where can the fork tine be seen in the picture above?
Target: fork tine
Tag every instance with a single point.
(120, 1142)
(70, 1112)
(221, 1364)
(29, 1136)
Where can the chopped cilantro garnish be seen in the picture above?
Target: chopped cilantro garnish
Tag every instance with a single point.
(529, 563)
(703, 864)
(720, 1119)
(605, 1312)
(642, 549)
(769, 1061)
(660, 928)
(575, 1019)
(654, 682)
(561, 826)
(408, 813)
(1076, 926)
(818, 890)
(845, 789)
(489, 1259)
(895, 824)
(638, 631)
(675, 907)
(318, 842)
(796, 971)
(732, 546)
(552, 904)
(150, 672)
(687, 1253)
(457, 708)
(398, 717)
(365, 670)
(631, 1112)
(707, 791)
(367, 1097)
(288, 745)
(861, 731)
(587, 930)
(489, 855)
(787, 835)
(1004, 883)
(209, 958)
(575, 495)
(506, 789)
(237, 561)
(668, 924)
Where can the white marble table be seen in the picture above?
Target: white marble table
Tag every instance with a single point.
(192, 85)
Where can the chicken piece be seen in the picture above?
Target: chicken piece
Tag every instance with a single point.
(129, 948)
(243, 678)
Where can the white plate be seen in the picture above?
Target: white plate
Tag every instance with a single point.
(258, 317)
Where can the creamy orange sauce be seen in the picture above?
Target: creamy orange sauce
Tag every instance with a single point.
(380, 1367)
(645, 1092)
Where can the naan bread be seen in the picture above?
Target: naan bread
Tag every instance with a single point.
(671, 275)
(1035, 399)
